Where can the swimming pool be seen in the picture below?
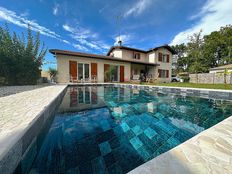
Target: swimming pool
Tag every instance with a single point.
(107, 129)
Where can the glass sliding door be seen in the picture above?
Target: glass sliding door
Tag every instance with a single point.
(80, 71)
(86, 71)
(83, 71)
(114, 75)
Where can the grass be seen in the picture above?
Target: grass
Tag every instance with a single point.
(195, 85)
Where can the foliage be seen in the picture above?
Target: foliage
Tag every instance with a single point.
(108, 75)
(52, 72)
(20, 60)
(202, 53)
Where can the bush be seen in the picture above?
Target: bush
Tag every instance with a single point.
(20, 61)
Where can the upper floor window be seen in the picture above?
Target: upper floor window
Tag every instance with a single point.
(136, 56)
(163, 57)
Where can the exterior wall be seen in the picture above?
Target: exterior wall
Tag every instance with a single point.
(210, 78)
(117, 53)
(164, 65)
(151, 57)
(128, 55)
(63, 67)
(219, 71)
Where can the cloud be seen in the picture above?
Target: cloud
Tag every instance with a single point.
(213, 15)
(138, 8)
(22, 21)
(126, 38)
(85, 38)
(19, 20)
(55, 9)
(80, 47)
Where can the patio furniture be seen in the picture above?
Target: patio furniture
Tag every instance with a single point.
(93, 79)
(136, 79)
(73, 79)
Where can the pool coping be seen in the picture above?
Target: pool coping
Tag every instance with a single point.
(17, 143)
(208, 152)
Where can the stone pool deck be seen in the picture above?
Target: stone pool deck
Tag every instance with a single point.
(9, 90)
(21, 117)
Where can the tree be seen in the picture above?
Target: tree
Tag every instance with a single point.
(182, 61)
(195, 53)
(20, 60)
(52, 72)
(218, 47)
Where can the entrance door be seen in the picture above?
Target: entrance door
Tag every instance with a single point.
(121, 73)
(73, 70)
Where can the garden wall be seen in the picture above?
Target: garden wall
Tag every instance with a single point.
(210, 78)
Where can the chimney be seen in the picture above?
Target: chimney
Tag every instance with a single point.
(120, 43)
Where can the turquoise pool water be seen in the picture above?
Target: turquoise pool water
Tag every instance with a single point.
(114, 130)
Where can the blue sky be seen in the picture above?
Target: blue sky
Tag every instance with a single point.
(93, 26)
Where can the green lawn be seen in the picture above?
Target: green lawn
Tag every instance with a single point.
(194, 85)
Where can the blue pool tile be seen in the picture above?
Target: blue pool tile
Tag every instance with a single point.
(114, 143)
(125, 127)
(115, 169)
(136, 143)
(144, 153)
(130, 134)
(150, 133)
(98, 165)
(73, 171)
(109, 159)
(137, 130)
(105, 148)
(173, 141)
(105, 125)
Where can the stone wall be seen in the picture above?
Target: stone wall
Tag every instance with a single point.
(210, 78)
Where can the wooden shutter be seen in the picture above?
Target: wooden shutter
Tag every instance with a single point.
(93, 69)
(167, 73)
(73, 70)
(106, 68)
(159, 72)
(160, 55)
(121, 73)
(167, 58)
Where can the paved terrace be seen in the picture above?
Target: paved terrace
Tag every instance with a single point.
(18, 113)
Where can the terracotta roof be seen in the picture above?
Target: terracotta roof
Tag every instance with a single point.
(229, 66)
(138, 50)
(97, 56)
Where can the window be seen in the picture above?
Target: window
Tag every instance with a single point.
(163, 57)
(83, 71)
(136, 56)
(163, 73)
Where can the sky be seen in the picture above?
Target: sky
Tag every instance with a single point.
(94, 26)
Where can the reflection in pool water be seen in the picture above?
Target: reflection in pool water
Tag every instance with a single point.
(113, 130)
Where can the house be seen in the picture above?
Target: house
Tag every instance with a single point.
(221, 69)
(121, 64)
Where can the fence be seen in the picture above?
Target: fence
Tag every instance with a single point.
(210, 78)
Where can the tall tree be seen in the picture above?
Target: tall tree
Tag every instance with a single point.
(20, 60)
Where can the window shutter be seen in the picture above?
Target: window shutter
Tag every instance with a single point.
(159, 72)
(167, 73)
(167, 58)
(160, 57)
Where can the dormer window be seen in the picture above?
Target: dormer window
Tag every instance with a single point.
(136, 56)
